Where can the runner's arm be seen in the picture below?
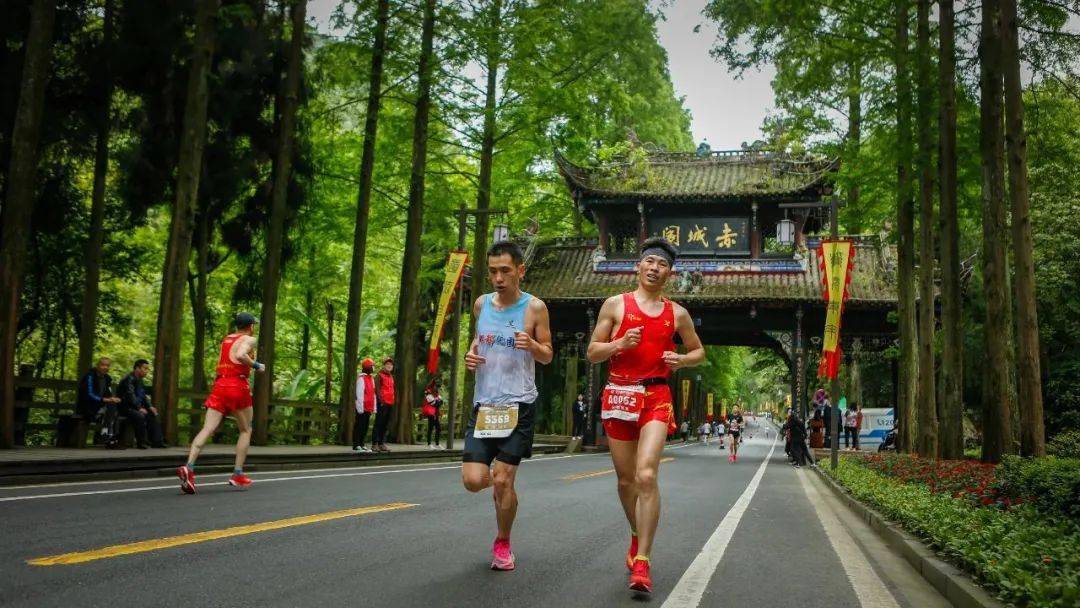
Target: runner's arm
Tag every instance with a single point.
(244, 351)
(539, 345)
(601, 346)
(695, 351)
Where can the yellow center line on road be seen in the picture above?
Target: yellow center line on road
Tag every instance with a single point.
(589, 474)
(144, 546)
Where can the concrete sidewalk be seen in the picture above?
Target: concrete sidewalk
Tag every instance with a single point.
(48, 464)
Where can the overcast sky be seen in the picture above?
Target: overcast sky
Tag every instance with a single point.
(726, 111)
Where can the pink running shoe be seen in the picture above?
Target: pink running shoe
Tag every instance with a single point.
(187, 479)
(503, 558)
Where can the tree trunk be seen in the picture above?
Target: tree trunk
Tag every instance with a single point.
(1030, 398)
(998, 400)
(92, 261)
(305, 333)
(275, 236)
(198, 301)
(905, 271)
(360, 232)
(927, 401)
(174, 275)
(408, 333)
(19, 200)
(493, 58)
(854, 134)
(951, 441)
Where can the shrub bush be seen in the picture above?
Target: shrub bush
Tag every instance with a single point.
(1052, 484)
(1028, 559)
(1065, 444)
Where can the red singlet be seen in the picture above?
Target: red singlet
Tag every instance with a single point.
(657, 336)
(231, 391)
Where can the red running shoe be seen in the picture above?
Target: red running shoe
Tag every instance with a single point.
(240, 481)
(631, 553)
(640, 580)
(187, 479)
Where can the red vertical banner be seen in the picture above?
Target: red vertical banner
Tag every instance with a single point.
(455, 267)
(835, 259)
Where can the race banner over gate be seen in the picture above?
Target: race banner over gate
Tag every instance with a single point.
(455, 267)
(835, 261)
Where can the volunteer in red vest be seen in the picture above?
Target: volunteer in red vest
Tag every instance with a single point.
(430, 410)
(230, 396)
(365, 404)
(635, 332)
(384, 400)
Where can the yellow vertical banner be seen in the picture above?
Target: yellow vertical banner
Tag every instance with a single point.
(835, 261)
(685, 394)
(709, 405)
(455, 267)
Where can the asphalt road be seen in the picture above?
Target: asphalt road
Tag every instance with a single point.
(754, 533)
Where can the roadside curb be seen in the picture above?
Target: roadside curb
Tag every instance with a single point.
(950, 581)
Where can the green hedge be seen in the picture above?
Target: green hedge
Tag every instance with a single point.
(1027, 558)
(1065, 444)
(1051, 484)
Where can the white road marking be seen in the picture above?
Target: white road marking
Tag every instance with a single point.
(868, 586)
(692, 584)
(353, 472)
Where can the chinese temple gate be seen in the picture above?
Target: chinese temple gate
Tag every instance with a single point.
(747, 270)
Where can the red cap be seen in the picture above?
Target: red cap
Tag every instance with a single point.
(367, 362)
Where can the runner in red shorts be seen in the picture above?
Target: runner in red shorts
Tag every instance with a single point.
(231, 396)
(636, 332)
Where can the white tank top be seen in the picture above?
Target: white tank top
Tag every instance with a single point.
(508, 375)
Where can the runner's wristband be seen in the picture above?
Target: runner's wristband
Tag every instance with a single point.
(255, 365)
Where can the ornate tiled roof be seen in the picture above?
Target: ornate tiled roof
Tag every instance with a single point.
(564, 270)
(718, 175)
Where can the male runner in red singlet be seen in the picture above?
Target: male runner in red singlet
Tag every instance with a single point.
(636, 332)
(231, 395)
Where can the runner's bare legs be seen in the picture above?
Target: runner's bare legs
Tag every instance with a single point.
(506, 502)
(243, 424)
(650, 447)
(210, 424)
(624, 457)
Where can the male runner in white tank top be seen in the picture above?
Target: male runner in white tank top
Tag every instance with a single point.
(512, 333)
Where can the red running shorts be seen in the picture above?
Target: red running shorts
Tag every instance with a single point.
(657, 407)
(229, 395)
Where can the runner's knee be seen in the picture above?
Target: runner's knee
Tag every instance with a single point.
(502, 480)
(474, 482)
(645, 478)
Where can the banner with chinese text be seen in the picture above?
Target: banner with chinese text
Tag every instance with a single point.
(835, 260)
(709, 405)
(455, 267)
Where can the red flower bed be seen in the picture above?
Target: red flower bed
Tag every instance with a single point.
(969, 480)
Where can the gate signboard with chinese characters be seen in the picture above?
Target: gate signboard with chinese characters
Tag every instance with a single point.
(704, 236)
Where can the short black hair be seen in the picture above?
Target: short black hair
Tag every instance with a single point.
(507, 247)
(139, 363)
(662, 243)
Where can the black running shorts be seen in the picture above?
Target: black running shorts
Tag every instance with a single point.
(504, 449)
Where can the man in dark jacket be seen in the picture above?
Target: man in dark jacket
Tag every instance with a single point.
(95, 390)
(136, 407)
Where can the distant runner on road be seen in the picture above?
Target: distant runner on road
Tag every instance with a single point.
(635, 331)
(230, 396)
(512, 333)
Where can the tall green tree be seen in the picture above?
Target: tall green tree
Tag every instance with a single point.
(1029, 378)
(927, 391)
(275, 234)
(998, 399)
(406, 343)
(905, 220)
(951, 406)
(19, 199)
(363, 212)
(174, 275)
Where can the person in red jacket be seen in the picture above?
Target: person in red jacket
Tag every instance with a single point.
(365, 404)
(384, 400)
(635, 331)
(230, 396)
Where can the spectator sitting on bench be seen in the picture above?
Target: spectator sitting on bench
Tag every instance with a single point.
(95, 393)
(136, 407)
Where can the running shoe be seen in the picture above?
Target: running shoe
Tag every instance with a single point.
(503, 558)
(187, 479)
(640, 580)
(632, 552)
(240, 481)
